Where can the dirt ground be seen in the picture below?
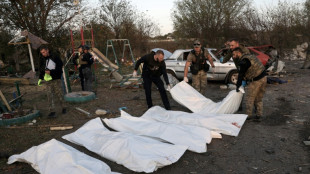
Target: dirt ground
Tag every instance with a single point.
(274, 145)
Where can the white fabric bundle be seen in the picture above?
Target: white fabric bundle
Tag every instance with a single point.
(187, 96)
(229, 124)
(194, 137)
(137, 153)
(56, 157)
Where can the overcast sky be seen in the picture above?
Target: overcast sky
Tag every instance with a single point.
(160, 10)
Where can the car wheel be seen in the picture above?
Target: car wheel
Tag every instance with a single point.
(172, 73)
(232, 77)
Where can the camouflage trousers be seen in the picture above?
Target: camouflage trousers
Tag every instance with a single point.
(199, 81)
(254, 96)
(54, 92)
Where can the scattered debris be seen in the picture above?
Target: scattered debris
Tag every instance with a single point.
(307, 143)
(5, 101)
(268, 171)
(61, 128)
(270, 151)
(122, 108)
(275, 80)
(223, 86)
(101, 112)
(83, 111)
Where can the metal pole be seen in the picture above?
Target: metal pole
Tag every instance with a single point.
(31, 58)
(82, 35)
(92, 37)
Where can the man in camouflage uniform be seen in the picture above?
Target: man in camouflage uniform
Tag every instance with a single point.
(196, 60)
(51, 71)
(253, 71)
(234, 43)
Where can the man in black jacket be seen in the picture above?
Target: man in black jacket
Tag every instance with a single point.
(153, 67)
(51, 71)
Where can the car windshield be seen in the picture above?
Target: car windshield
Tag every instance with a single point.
(175, 54)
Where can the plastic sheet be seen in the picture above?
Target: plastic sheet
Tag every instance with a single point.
(194, 137)
(228, 124)
(187, 96)
(137, 153)
(56, 157)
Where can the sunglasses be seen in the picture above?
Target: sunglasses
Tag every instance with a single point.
(196, 44)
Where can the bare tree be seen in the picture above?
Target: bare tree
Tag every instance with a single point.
(115, 13)
(206, 19)
(39, 17)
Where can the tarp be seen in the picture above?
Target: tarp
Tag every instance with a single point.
(187, 96)
(137, 153)
(194, 137)
(228, 124)
(56, 157)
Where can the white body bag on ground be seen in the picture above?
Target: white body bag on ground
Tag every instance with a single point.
(187, 96)
(196, 138)
(228, 124)
(56, 157)
(137, 153)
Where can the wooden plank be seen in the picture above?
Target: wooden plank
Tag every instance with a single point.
(61, 128)
(10, 80)
(5, 101)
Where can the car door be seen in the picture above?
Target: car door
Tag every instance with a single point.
(181, 61)
(221, 69)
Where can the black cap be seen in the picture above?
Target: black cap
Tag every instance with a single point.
(81, 46)
(86, 47)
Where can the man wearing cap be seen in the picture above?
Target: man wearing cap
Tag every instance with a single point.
(51, 71)
(84, 60)
(86, 68)
(154, 66)
(253, 71)
(77, 60)
(197, 61)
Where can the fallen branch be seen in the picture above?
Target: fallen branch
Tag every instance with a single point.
(268, 171)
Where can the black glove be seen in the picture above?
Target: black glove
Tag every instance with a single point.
(237, 89)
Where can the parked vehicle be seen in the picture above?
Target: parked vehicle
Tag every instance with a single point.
(227, 72)
(267, 54)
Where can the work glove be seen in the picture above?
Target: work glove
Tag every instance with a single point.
(243, 83)
(47, 77)
(185, 79)
(169, 87)
(134, 74)
(221, 59)
(39, 82)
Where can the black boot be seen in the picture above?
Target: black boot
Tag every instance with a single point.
(257, 119)
(64, 110)
(52, 115)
